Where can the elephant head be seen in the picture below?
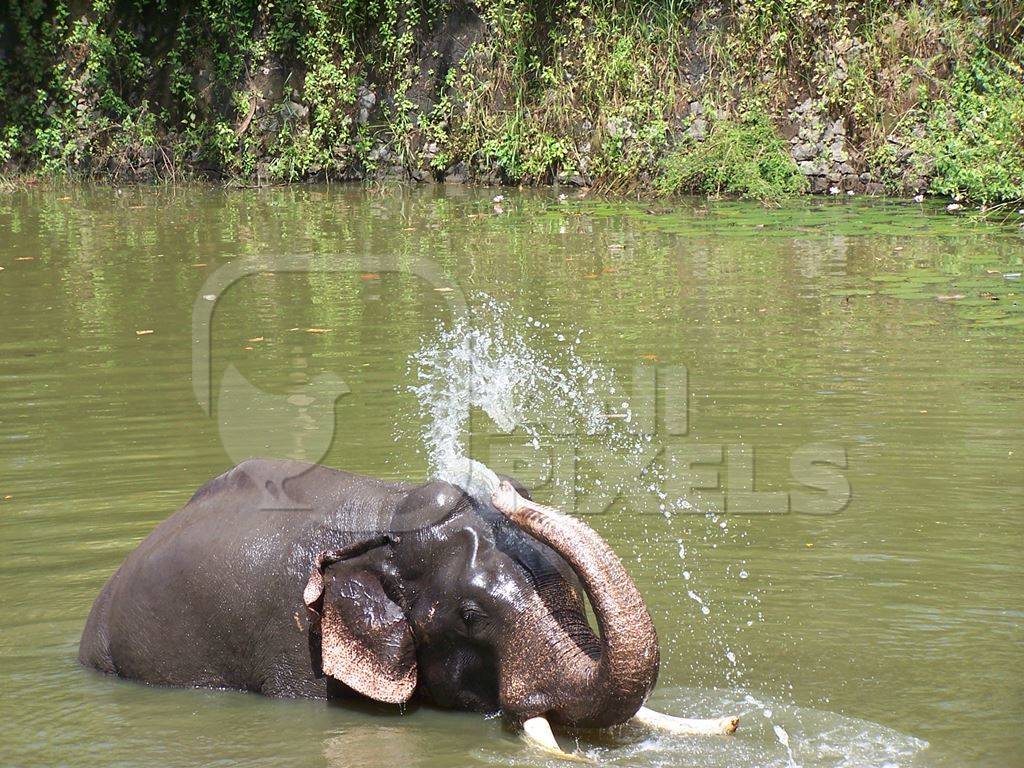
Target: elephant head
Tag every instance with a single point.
(480, 606)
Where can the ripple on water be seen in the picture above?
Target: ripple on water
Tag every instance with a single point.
(816, 738)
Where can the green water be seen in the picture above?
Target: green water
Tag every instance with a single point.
(864, 634)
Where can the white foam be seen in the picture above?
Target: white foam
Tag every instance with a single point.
(475, 478)
(496, 361)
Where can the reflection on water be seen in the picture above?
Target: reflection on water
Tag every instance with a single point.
(892, 330)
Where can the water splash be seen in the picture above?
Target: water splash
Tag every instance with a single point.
(498, 362)
(474, 477)
(532, 380)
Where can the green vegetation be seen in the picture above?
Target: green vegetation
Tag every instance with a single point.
(745, 158)
(760, 98)
(976, 133)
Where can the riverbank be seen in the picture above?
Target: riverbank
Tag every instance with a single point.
(757, 98)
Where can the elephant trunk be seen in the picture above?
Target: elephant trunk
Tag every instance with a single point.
(617, 685)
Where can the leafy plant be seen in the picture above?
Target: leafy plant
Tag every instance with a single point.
(746, 158)
(975, 133)
(593, 91)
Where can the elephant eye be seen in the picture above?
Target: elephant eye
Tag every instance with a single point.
(472, 613)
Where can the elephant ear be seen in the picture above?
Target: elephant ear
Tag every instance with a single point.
(364, 638)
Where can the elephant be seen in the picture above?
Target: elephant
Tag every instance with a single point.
(297, 580)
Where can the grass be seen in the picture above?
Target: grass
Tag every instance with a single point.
(745, 157)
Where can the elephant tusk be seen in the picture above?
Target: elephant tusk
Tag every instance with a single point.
(682, 726)
(537, 733)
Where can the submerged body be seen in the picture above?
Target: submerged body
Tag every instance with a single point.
(292, 579)
(298, 580)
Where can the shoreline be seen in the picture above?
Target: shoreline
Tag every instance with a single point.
(758, 100)
(1011, 212)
